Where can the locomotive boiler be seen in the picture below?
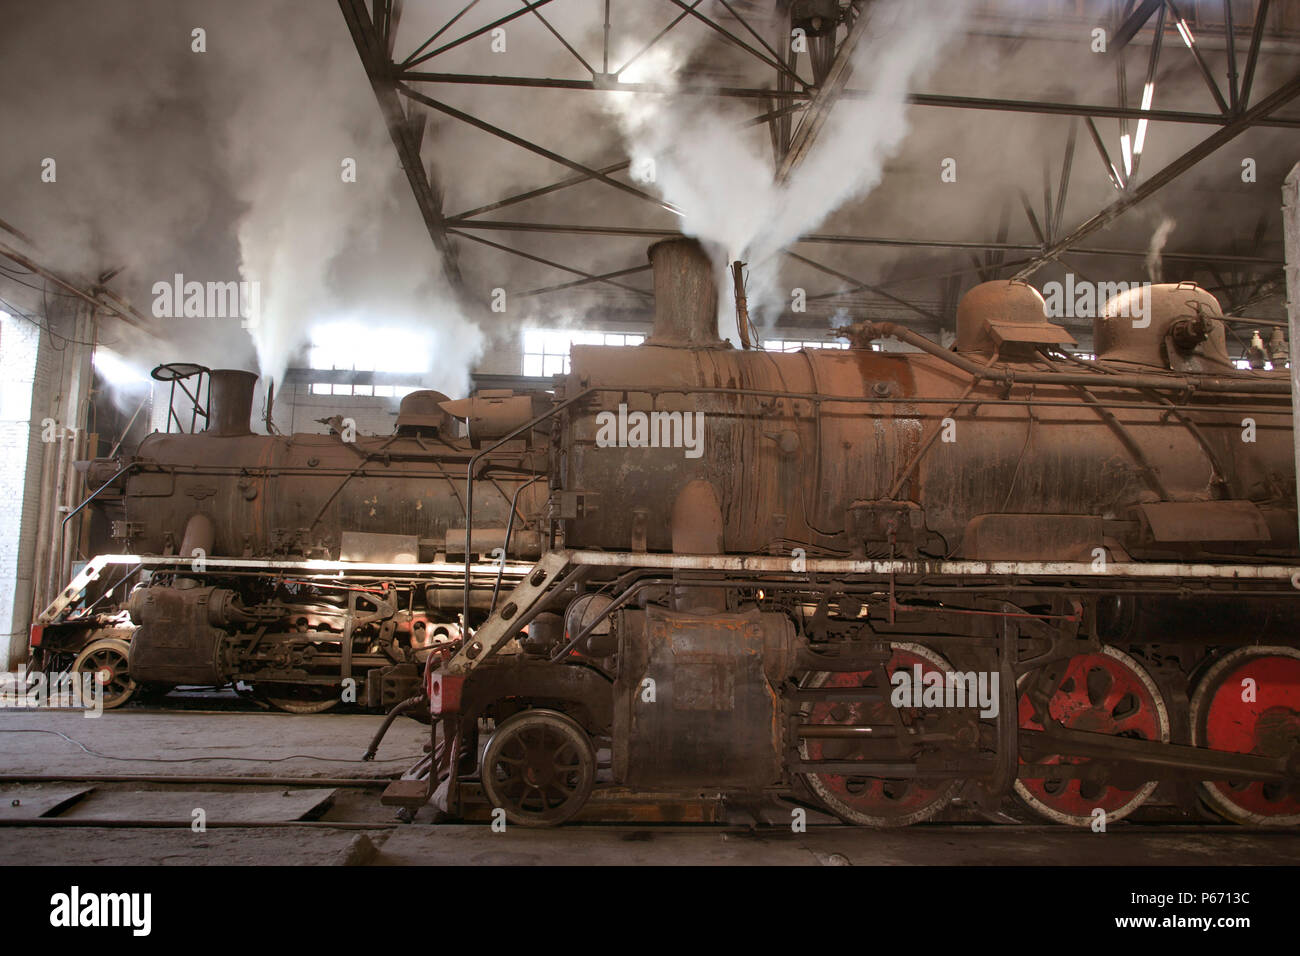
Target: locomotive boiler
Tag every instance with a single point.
(883, 581)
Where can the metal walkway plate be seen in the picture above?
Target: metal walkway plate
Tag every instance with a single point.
(170, 806)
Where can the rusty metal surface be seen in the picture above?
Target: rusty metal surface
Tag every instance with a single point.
(269, 495)
(686, 295)
(714, 719)
(1181, 521)
(789, 471)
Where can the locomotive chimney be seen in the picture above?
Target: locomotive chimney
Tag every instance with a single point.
(686, 297)
(230, 401)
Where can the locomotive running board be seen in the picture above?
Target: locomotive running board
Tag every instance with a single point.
(928, 568)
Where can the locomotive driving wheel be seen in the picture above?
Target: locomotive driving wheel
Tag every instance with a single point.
(539, 767)
(107, 660)
(1248, 701)
(872, 801)
(1107, 692)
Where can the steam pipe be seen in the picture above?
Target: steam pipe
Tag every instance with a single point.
(1010, 376)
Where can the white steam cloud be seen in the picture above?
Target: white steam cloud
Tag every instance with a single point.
(331, 232)
(221, 164)
(1158, 239)
(724, 184)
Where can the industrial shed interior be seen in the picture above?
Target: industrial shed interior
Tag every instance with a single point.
(619, 425)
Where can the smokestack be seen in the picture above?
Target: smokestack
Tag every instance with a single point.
(230, 401)
(686, 297)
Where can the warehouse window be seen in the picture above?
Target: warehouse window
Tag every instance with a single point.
(546, 351)
(379, 391)
(345, 346)
(794, 345)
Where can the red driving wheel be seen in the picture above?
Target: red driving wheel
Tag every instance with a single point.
(1248, 702)
(872, 801)
(1108, 693)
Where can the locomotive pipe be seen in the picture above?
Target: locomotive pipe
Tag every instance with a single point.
(409, 704)
(884, 330)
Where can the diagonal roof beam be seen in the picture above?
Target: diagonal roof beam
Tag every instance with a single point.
(534, 148)
(1252, 57)
(550, 262)
(860, 285)
(657, 37)
(1200, 60)
(529, 8)
(1277, 99)
(371, 47)
(556, 33)
(583, 178)
(1136, 21)
(775, 64)
(815, 117)
(445, 27)
(603, 277)
(534, 193)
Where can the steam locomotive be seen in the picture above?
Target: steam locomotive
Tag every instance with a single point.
(880, 582)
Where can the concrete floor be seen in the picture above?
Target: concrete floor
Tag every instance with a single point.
(355, 828)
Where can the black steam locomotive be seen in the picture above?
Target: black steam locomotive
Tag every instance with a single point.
(879, 582)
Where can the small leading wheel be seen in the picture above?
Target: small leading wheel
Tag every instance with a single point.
(539, 767)
(107, 660)
(1248, 702)
(872, 801)
(301, 698)
(1106, 693)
